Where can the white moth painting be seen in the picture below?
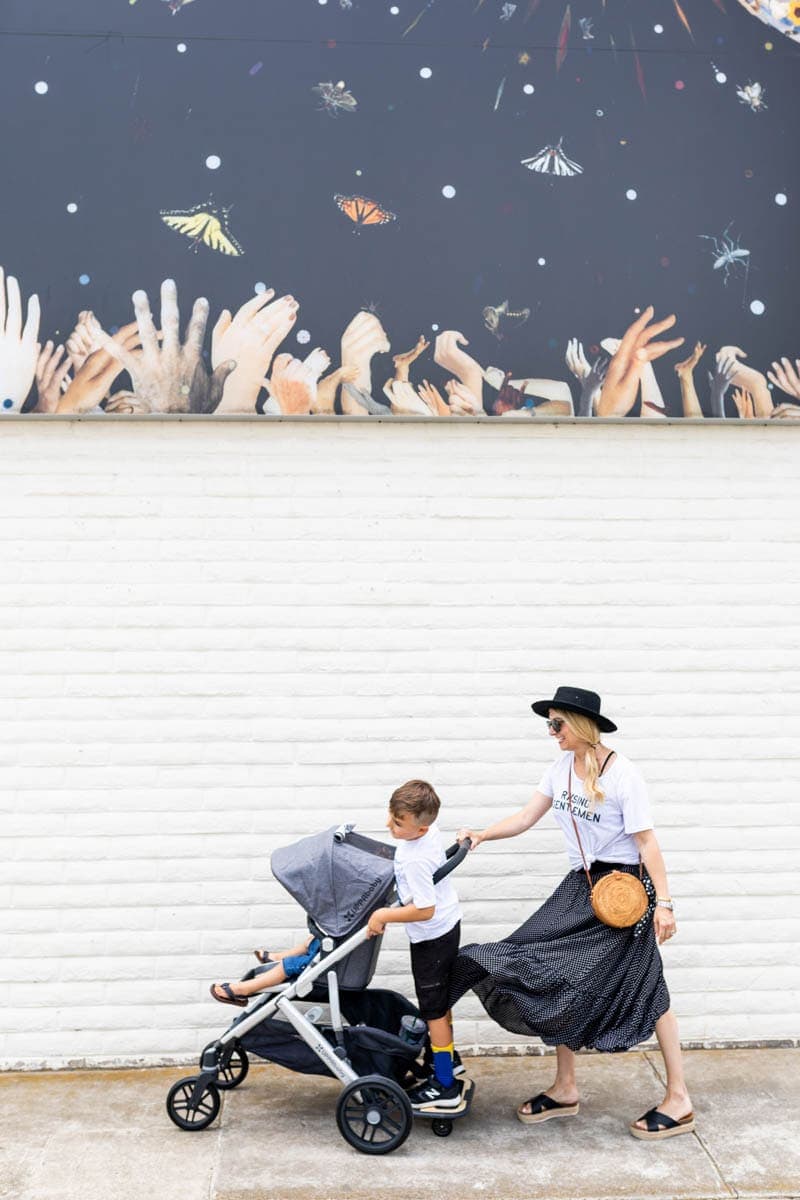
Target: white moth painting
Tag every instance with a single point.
(551, 160)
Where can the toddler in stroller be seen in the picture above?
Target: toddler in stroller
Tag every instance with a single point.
(279, 965)
(327, 1021)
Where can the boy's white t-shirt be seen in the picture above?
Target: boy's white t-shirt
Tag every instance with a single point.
(414, 864)
(605, 830)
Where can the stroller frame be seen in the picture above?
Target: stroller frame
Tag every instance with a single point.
(373, 1113)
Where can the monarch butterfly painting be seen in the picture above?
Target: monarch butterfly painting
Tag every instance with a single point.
(363, 211)
(206, 223)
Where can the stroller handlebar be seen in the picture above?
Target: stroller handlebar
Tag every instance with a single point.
(455, 855)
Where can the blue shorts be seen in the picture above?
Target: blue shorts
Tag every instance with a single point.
(295, 964)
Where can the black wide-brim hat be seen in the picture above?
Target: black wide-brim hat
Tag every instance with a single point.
(576, 700)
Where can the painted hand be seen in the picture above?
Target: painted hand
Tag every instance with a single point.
(52, 370)
(720, 380)
(363, 338)
(786, 377)
(294, 383)
(636, 348)
(249, 340)
(19, 350)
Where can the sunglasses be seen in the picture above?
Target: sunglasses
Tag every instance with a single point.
(556, 724)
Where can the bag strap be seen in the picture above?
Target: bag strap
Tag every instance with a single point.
(575, 823)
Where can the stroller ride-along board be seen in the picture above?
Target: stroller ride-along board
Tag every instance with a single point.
(328, 1021)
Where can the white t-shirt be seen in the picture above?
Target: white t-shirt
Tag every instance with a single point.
(414, 864)
(606, 831)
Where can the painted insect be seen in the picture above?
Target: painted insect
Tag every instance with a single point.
(728, 254)
(495, 315)
(507, 12)
(551, 160)
(335, 97)
(363, 211)
(586, 24)
(175, 6)
(753, 95)
(206, 223)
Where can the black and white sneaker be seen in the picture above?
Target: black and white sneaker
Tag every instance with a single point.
(434, 1095)
(458, 1066)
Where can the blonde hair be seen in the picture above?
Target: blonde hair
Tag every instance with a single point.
(588, 731)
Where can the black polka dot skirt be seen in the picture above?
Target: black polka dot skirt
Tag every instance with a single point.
(567, 978)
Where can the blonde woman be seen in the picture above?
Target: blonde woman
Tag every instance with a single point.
(564, 976)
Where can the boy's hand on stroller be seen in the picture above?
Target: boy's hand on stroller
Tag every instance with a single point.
(377, 923)
(474, 836)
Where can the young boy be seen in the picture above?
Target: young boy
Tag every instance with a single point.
(432, 917)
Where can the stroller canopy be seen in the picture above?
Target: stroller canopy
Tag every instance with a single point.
(338, 877)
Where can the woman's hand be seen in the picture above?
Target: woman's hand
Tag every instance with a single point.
(474, 836)
(663, 924)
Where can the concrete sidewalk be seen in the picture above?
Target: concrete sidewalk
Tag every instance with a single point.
(98, 1135)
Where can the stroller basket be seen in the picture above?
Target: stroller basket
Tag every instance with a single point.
(370, 1038)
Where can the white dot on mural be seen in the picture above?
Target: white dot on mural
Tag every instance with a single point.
(435, 328)
(425, 72)
(721, 77)
(260, 288)
(41, 88)
(529, 89)
(359, 172)
(181, 47)
(213, 162)
(448, 191)
(631, 194)
(781, 198)
(72, 208)
(303, 336)
(757, 307)
(84, 279)
(658, 29)
(600, 113)
(541, 261)
(394, 10)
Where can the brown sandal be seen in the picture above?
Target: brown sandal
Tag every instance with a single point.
(544, 1108)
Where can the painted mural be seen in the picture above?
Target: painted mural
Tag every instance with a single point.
(429, 208)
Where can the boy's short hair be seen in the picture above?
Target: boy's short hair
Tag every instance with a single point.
(417, 798)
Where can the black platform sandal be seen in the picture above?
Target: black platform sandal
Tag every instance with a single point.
(544, 1108)
(660, 1126)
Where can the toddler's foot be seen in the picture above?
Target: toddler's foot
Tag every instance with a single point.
(226, 995)
(433, 1095)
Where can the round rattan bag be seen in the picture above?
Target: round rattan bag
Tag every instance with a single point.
(619, 899)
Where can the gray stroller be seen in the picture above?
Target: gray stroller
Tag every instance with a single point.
(327, 1021)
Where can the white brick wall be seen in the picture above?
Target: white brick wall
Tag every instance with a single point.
(217, 636)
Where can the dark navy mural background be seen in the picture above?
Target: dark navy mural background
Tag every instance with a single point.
(677, 126)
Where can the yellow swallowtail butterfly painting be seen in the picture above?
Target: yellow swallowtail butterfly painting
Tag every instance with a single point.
(206, 223)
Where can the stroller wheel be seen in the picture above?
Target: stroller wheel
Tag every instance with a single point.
(233, 1065)
(374, 1115)
(442, 1128)
(190, 1112)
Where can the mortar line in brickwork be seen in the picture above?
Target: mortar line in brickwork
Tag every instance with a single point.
(717, 1168)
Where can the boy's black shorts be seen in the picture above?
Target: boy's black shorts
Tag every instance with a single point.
(430, 964)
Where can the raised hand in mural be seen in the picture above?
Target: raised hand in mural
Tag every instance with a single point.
(636, 350)
(576, 360)
(720, 380)
(328, 386)
(363, 338)
(786, 412)
(169, 374)
(462, 400)
(83, 340)
(749, 379)
(93, 380)
(19, 349)
(250, 340)
(786, 377)
(52, 370)
(652, 399)
(744, 404)
(448, 354)
(591, 377)
(690, 401)
(293, 384)
(402, 362)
